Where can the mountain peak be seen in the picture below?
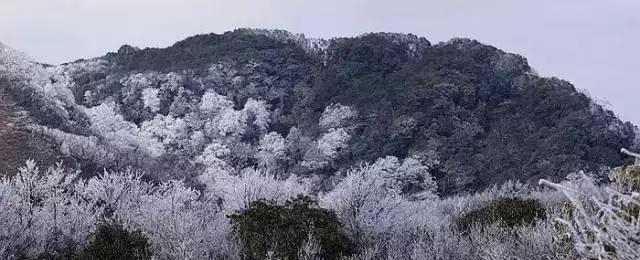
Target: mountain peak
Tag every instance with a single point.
(127, 49)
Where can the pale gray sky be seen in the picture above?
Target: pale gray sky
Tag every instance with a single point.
(591, 43)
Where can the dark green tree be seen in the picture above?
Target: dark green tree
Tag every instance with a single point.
(282, 229)
(113, 242)
(509, 211)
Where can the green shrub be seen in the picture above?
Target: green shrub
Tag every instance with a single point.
(113, 242)
(629, 179)
(509, 211)
(628, 176)
(283, 229)
(563, 238)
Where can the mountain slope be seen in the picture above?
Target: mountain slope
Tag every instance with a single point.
(479, 112)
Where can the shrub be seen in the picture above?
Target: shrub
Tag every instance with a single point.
(510, 212)
(563, 237)
(112, 241)
(266, 227)
(627, 176)
(603, 222)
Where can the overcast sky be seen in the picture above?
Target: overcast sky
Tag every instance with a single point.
(591, 43)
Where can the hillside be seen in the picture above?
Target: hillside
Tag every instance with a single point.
(314, 108)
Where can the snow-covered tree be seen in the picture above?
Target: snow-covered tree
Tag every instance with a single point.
(213, 157)
(213, 103)
(40, 212)
(220, 117)
(150, 99)
(372, 200)
(124, 135)
(172, 82)
(297, 143)
(89, 98)
(328, 148)
(213, 151)
(272, 150)
(364, 203)
(49, 87)
(237, 192)
(78, 146)
(337, 115)
(258, 111)
(182, 104)
(334, 142)
(138, 81)
(413, 177)
(115, 196)
(196, 142)
(104, 118)
(180, 223)
(166, 128)
(603, 221)
(228, 122)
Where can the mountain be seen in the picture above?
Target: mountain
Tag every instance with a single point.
(314, 108)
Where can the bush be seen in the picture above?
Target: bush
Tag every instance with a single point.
(112, 241)
(510, 212)
(282, 230)
(627, 176)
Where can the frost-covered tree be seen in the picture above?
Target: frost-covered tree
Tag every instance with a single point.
(172, 81)
(604, 222)
(41, 212)
(168, 129)
(334, 138)
(104, 118)
(138, 81)
(328, 148)
(364, 204)
(182, 103)
(272, 150)
(258, 111)
(180, 222)
(297, 143)
(196, 142)
(413, 177)
(124, 135)
(371, 199)
(78, 146)
(220, 117)
(150, 99)
(213, 157)
(228, 122)
(337, 115)
(237, 192)
(213, 103)
(133, 85)
(89, 98)
(48, 88)
(334, 142)
(115, 196)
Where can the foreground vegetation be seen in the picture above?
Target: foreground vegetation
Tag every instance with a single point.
(53, 214)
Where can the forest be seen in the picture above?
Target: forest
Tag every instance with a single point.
(263, 144)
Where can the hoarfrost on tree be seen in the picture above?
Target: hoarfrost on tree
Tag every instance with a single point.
(150, 99)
